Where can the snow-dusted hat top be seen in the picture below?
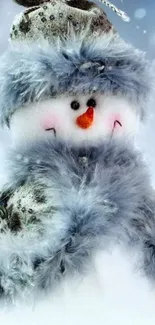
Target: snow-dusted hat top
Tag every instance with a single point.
(47, 19)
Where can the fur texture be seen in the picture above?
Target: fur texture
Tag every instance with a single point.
(77, 66)
(101, 196)
(111, 293)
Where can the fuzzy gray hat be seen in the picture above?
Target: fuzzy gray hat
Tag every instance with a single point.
(71, 65)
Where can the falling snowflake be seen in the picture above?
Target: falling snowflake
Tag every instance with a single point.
(140, 13)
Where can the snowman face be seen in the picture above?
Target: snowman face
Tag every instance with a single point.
(80, 118)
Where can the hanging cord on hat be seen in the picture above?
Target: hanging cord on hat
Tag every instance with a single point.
(119, 12)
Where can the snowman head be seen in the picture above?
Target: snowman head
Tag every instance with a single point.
(76, 119)
(83, 89)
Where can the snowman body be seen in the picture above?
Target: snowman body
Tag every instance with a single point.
(82, 120)
(78, 207)
(111, 286)
(87, 253)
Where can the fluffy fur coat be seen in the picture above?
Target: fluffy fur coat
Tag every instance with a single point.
(66, 205)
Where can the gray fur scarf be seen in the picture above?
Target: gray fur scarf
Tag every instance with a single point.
(64, 204)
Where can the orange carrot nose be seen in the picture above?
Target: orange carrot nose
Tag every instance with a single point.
(85, 120)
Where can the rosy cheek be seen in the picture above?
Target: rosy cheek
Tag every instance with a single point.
(111, 121)
(49, 121)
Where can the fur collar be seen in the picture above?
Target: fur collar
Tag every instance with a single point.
(110, 200)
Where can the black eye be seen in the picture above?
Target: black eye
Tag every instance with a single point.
(75, 105)
(91, 102)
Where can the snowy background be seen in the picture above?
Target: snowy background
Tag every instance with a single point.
(140, 32)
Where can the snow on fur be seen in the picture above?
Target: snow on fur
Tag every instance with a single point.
(109, 201)
(79, 65)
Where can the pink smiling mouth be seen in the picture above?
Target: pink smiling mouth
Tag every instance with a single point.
(117, 124)
(51, 129)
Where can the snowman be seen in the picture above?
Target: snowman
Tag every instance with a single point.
(90, 113)
(77, 188)
(78, 91)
